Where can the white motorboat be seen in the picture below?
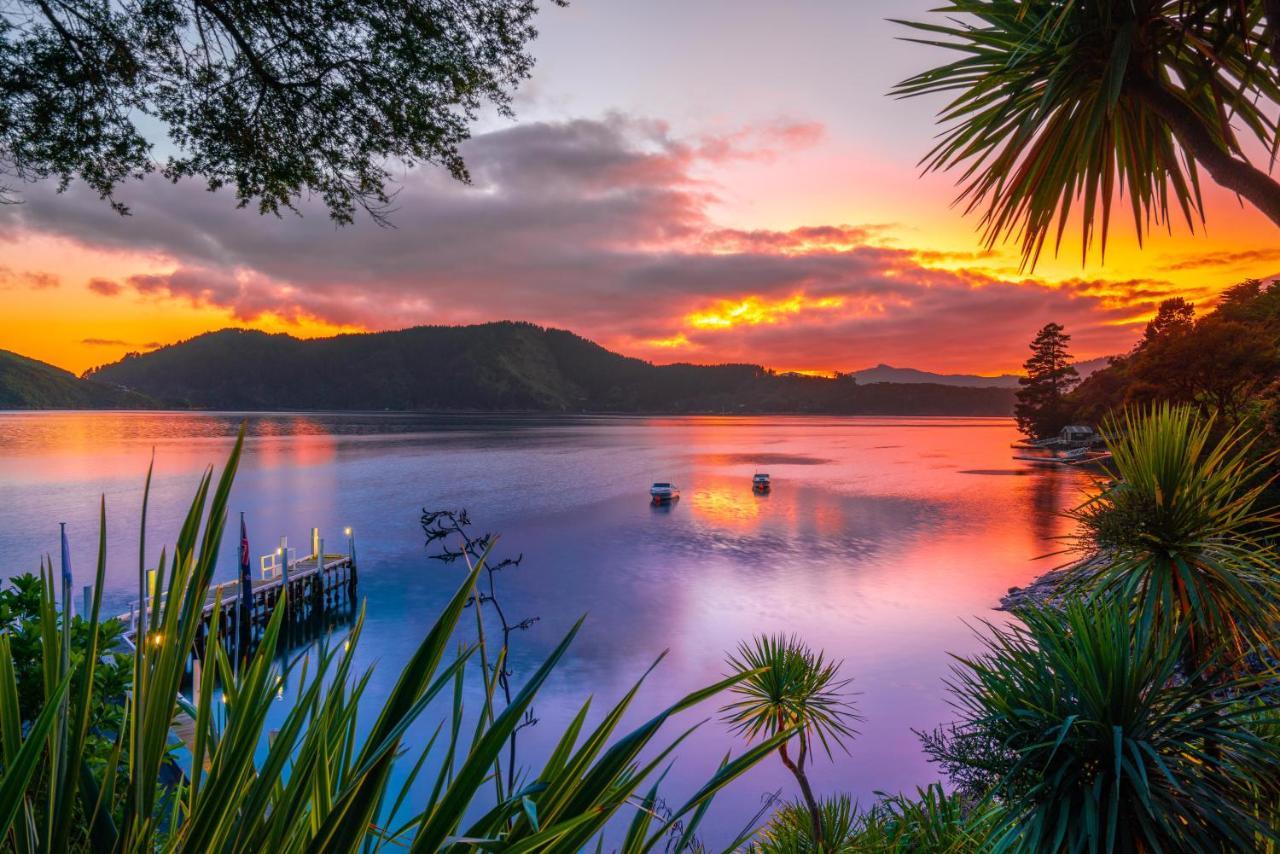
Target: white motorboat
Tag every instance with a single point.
(663, 492)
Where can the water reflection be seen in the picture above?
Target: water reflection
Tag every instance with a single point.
(879, 539)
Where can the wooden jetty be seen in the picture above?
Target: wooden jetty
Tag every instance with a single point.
(315, 590)
(314, 584)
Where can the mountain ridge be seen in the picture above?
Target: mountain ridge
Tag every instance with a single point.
(505, 365)
(892, 374)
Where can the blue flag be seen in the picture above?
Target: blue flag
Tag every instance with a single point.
(66, 556)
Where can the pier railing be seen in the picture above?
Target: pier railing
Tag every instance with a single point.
(307, 586)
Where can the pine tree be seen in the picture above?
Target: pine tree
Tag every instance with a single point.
(1042, 409)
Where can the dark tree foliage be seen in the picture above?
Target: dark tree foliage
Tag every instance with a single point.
(30, 384)
(1094, 736)
(276, 99)
(20, 619)
(1041, 408)
(1220, 363)
(1174, 316)
(973, 760)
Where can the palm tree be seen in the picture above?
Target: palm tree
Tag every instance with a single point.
(787, 688)
(1106, 749)
(1184, 541)
(1065, 102)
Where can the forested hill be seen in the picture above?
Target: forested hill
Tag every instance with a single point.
(497, 366)
(1225, 362)
(31, 384)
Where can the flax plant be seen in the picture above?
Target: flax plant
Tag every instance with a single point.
(1183, 538)
(320, 782)
(932, 821)
(1106, 749)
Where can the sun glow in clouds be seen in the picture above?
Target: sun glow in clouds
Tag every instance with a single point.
(672, 343)
(755, 311)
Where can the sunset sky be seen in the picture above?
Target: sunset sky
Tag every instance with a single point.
(708, 182)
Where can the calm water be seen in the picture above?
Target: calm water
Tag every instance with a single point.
(882, 542)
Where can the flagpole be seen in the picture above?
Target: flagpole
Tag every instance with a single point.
(66, 647)
(246, 595)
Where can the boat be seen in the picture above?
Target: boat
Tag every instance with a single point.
(1079, 457)
(1071, 437)
(662, 492)
(760, 482)
(1087, 457)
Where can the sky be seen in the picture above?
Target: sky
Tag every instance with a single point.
(720, 181)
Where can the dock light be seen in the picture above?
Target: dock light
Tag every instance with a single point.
(157, 639)
(279, 551)
(346, 531)
(346, 645)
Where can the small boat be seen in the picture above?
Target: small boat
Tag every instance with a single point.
(661, 493)
(1090, 457)
(1073, 437)
(1074, 457)
(760, 482)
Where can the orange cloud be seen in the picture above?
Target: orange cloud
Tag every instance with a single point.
(674, 342)
(756, 311)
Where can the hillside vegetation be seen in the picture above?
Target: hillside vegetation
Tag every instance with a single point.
(497, 366)
(1224, 363)
(31, 384)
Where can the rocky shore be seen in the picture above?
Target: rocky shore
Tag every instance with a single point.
(1051, 589)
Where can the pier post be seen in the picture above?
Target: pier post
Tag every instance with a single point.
(145, 607)
(88, 601)
(318, 581)
(351, 554)
(284, 571)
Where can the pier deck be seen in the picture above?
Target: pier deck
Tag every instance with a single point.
(320, 587)
(315, 584)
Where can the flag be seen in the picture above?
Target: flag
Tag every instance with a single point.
(246, 588)
(66, 557)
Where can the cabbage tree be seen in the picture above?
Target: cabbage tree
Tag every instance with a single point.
(1060, 108)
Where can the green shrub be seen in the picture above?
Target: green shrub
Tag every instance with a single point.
(1108, 747)
(932, 821)
(1186, 545)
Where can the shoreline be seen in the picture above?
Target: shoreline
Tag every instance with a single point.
(1046, 590)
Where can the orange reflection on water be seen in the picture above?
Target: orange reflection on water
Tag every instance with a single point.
(50, 447)
(295, 440)
(727, 503)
